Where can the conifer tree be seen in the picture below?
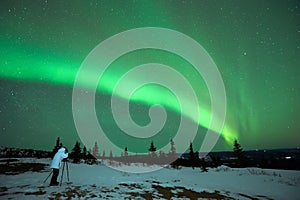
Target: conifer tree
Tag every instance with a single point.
(192, 155)
(110, 158)
(173, 149)
(239, 154)
(152, 150)
(76, 152)
(152, 147)
(126, 152)
(95, 150)
(152, 158)
(57, 146)
(172, 155)
(125, 156)
(84, 153)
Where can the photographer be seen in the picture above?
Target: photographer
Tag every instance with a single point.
(61, 154)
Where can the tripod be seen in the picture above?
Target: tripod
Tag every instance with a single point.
(65, 163)
(67, 170)
(48, 176)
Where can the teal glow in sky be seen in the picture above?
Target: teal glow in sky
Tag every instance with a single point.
(255, 45)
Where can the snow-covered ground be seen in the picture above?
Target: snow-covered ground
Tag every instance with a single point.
(102, 182)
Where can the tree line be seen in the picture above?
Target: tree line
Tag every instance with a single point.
(190, 159)
(272, 159)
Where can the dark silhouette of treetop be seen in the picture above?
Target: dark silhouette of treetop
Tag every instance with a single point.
(95, 150)
(239, 154)
(173, 149)
(191, 153)
(237, 148)
(126, 152)
(57, 146)
(84, 153)
(152, 147)
(76, 153)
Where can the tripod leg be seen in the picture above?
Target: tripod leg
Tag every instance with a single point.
(48, 176)
(68, 171)
(62, 173)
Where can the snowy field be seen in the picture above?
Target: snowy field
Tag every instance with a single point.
(23, 179)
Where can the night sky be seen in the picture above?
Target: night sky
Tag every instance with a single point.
(255, 45)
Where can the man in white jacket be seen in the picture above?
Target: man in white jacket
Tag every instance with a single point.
(56, 163)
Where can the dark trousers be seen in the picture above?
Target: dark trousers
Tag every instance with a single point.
(54, 177)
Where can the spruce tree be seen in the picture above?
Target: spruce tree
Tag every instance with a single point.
(172, 155)
(152, 149)
(76, 152)
(239, 154)
(57, 146)
(191, 153)
(110, 162)
(192, 156)
(126, 156)
(126, 152)
(151, 159)
(95, 150)
(173, 149)
(84, 153)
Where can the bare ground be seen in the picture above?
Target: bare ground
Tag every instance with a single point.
(127, 191)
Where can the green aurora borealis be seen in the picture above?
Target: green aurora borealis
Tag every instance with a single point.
(255, 44)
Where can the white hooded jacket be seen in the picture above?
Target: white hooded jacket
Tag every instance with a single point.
(58, 158)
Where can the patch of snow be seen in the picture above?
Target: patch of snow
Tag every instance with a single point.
(100, 180)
